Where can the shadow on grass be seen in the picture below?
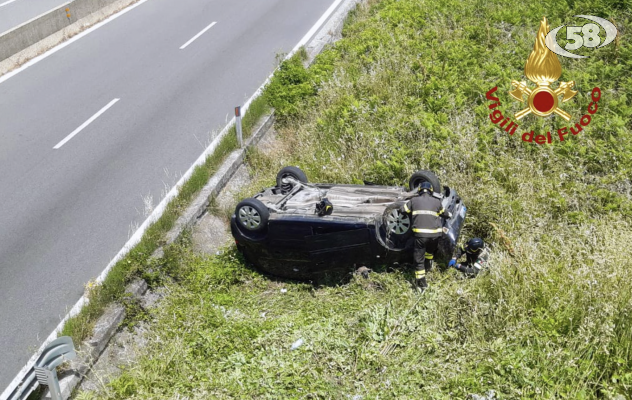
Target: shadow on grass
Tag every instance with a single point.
(339, 277)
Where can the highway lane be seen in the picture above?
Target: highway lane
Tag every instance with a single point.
(66, 212)
(16, 12)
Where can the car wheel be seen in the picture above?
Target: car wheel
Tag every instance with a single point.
(289, 172)
(420, 177)
(397, 223)
(252, 215)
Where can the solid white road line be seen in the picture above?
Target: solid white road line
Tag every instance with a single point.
(198, 35)
(7, 2)
(323, 18)
(54, 50)
(88, 122)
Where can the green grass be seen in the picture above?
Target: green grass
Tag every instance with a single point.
(405, 90)
(137, 262)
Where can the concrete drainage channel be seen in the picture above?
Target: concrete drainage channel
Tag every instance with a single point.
(95, 353)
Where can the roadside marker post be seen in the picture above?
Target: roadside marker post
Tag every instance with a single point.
(240, 138)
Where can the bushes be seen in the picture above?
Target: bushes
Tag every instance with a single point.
(293, 85)
(288, 87)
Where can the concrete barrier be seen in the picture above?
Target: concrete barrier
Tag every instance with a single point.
(39, 28)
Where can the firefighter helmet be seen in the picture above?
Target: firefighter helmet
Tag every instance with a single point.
(425, 186)
(474, 245)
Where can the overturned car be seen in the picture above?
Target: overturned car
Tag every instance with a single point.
(301, 230)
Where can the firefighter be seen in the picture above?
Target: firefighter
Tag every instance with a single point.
(476, 253)
(427, 214)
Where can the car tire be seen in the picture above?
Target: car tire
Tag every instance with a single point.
(251, 216)
(293, 172)
(420, 177)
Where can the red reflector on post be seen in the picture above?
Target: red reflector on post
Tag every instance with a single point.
(237, 111)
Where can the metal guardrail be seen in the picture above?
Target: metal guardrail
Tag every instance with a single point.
(43, 371)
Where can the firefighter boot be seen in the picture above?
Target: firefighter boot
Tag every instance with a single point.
(428, 264)
(420, 279)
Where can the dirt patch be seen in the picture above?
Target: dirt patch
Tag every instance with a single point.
(120, 352)
(212, 231)
(123, 348)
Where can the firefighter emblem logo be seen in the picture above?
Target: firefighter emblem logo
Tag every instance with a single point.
(543, 68)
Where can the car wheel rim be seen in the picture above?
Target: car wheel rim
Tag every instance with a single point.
(249, 218)
(397, 222)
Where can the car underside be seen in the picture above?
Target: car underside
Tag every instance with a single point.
(281, 230)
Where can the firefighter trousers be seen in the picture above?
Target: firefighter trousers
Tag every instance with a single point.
(425, 248)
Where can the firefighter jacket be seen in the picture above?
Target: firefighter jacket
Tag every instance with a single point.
(427, 212)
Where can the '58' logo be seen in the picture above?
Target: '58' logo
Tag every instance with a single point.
(582, 36)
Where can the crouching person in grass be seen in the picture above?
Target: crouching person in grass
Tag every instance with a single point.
(476, 253)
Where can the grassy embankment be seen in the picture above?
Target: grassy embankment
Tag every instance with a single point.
(405, 90)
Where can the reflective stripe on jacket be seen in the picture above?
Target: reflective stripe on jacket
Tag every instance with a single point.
(426, 210)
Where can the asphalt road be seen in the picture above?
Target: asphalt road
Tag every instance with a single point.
(17, 12)
(66, 212)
